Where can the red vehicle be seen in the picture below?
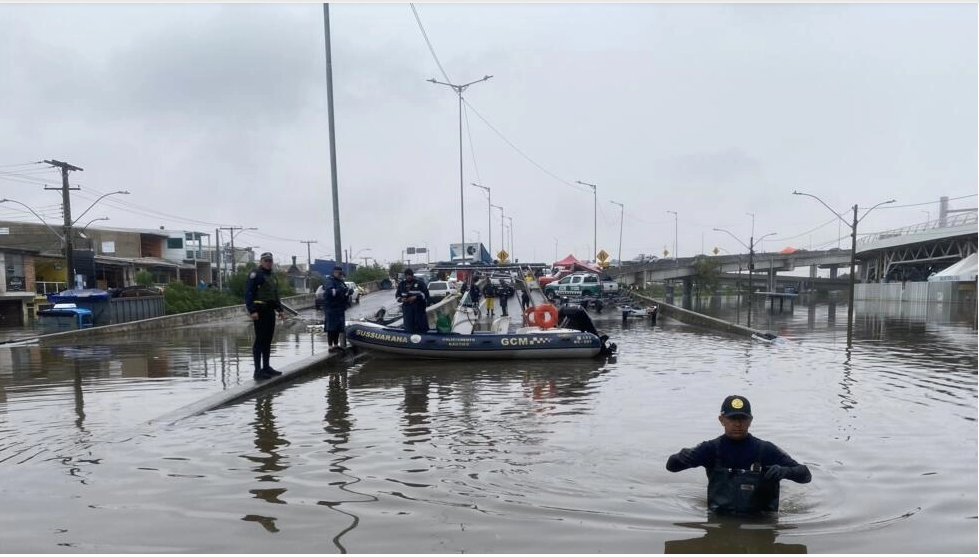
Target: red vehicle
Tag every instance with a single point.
(558, 274)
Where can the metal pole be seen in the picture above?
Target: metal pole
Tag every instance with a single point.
(853, 267)
(333, 144)
(751, 274)
(621, 220)
(489, 220)
(462, 208)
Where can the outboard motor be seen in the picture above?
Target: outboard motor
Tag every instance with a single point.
(575, 317)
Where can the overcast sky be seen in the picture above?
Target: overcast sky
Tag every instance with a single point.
(216, 115)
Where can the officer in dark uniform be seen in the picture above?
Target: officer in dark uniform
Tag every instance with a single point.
(743, 472)
(336, 298)
(262, 303)
(413, 296)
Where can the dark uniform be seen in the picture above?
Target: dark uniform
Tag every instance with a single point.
(336, 298)
(262, 303)
(413, 295)
(742, 475)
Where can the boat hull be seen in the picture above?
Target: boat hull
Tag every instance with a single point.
(546, 344)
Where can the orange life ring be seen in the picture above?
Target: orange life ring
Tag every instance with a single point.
(545, 316)
(528, 316)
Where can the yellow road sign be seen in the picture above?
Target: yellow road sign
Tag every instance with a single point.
(502, 255)
(602, 256)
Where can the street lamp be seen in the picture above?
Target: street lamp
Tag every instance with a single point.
(594, 235)
(82, 231)
(751, 262)
(676, 229)
(489, 228)
(853, 256)
(621, 220)
(53, 231)
(502, 236)
(462, 207)
(511, 237)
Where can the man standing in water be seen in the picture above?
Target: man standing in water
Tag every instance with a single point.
(743, 471)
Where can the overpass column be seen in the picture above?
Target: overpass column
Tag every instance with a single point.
(833, 270)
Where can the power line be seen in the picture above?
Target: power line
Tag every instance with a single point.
(429, 43)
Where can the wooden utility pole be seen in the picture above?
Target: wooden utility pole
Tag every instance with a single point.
(66, 209)
(309, 260)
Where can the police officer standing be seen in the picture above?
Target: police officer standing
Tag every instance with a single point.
(743, 472)
(262, 303)
(336, 298)
(413, 296)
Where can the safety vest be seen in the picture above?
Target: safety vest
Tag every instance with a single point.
(737, 491)
(268, 290)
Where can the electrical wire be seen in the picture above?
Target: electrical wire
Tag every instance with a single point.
(429, 43)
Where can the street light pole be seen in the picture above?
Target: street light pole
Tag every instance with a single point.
(751, 262)
(53, 231)
(676, 231)
(462, 203)
(502, 236)
(621, 220)
(489, 220)
(84, 228)
(853, 256)
(511, 237)
(594, 237)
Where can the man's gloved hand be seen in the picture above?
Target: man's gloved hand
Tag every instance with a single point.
(776, 472)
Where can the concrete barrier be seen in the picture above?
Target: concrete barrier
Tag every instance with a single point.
(301, 301)
(698, 319)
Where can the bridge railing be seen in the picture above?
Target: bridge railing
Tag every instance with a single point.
(960, 219)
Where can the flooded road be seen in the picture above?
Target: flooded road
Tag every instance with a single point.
(375, 455)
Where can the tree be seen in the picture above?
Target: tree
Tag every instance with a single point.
(708, 271)
(144, 278)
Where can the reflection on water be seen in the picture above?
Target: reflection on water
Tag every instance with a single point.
(730, 535)
(387, 456)
(267, 441)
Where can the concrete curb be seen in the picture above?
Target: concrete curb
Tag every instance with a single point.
(170, 321)
(236, 394)
(698, 319)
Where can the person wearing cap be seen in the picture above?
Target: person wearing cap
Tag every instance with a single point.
(743, 471)
(413, 296)
(336, 297)
(262, 303)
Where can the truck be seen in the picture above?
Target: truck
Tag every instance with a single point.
(557, 274)
(580, 285)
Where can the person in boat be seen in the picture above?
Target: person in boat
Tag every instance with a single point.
(413, 296)
(489, 292)
(262, 303)
(336, 298)
(743, 471)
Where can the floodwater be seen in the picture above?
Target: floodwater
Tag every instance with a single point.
(378, 455)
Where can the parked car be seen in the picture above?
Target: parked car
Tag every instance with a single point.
(439, 289)
(357, 291)
(354, 297)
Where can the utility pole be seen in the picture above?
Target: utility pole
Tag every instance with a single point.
(231, 230)
(217, 243)
(309, 260)
(66, 209)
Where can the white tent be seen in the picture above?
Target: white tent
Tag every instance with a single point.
(963, 271)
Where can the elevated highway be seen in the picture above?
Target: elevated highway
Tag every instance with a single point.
(908, 253)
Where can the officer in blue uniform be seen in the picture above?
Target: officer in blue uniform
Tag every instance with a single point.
(262, 303)
(336, 298)
(743, 471)
(413, 296)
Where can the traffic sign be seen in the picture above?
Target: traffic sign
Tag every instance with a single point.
(602, 256)
(502, 255)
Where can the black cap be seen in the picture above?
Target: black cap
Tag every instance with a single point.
(409, 272)
(338, 268)
(736, 405)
